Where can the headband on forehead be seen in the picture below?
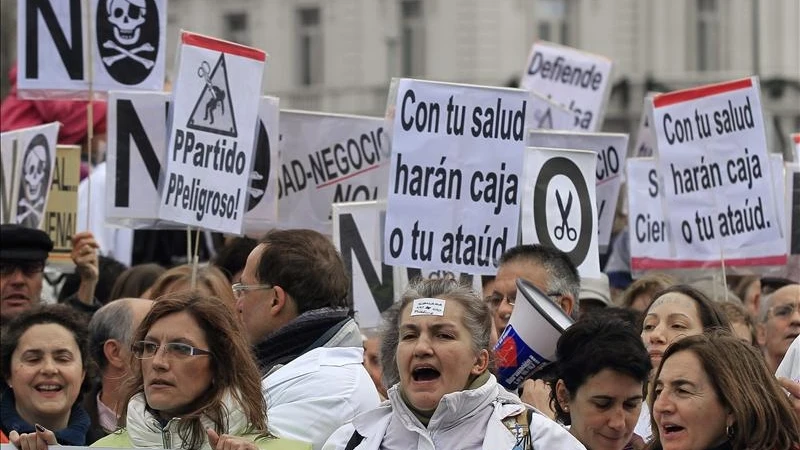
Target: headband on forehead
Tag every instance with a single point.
(428, 307)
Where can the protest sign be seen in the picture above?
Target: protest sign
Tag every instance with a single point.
(28, 156)
(549, 115)
(67, 48)
(792, 183)
(358, 235)
(457, 154)
(578, 80)
(137, 135)
(611, 149)
(62, 205)
(712, 156)
(645, 144)
(796, 141)
(326, 159)
(211, 142)
(559, 205)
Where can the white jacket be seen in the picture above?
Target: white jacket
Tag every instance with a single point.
(468, 420)
(321, 390)
(790, 365)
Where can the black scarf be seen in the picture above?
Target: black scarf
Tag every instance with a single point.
(306, 332)
(73, 434)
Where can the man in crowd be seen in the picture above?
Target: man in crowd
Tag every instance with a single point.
(22, 257)
(294, 305)
(549, 269)
(111, 331)
(779, 323)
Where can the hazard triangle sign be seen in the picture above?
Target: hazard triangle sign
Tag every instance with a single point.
(213, 111)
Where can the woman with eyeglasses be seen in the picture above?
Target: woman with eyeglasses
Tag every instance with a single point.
(194, 384)
(44, 358)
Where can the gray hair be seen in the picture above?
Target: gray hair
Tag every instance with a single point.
(477, 319)
(112, 321)
(561, 272)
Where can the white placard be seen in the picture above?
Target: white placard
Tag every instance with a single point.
(792, 184)
(650, 246)
(549, 115)
(126, 39)
(457, 154)
(559, 205)
(137, 135)
(326, 159)
(610, 149)
(645, 144)
(28, 159)
(578, 80)
(261, 211)
(209, 155)
(358, 235)
(712, 157)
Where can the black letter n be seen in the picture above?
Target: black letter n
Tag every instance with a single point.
(129, 126)
(71, 55)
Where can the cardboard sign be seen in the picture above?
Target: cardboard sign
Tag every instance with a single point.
(137, 136)
(326, 159)
(578, 80)
(549, 115)
(61, 213)
(65, 50)
(457, 155)
(559, 205)
(28, 157)
(358, 235)
(712, 157)
(611, 149)
(211, 142)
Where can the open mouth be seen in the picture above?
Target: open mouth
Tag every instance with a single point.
(425, 373)
(671, 429)
(47, 388)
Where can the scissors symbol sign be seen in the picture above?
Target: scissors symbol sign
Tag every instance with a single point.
(565, 229)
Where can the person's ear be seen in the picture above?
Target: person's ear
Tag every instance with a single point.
(481, 363)
(567, 303)
(113, 351)
(278, 301)
(562, 395)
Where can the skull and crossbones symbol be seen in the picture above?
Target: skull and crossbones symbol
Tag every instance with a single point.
(127, 17)
(34, 172)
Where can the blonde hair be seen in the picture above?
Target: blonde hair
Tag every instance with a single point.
(210, 281)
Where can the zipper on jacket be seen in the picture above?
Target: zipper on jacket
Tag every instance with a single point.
(166, 434)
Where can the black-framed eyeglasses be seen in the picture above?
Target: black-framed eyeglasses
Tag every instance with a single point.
(29, 268)
(496, 299)
(148, 349)
(239, 289)
(785, 311)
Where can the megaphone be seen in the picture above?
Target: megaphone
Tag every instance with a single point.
(528, 342)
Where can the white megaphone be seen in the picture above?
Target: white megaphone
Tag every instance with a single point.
(529, 340)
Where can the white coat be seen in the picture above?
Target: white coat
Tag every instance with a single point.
(318, 392)
(468, 420)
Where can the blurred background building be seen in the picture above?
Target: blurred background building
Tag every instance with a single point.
(339, 55)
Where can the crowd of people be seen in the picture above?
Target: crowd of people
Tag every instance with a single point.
(260, 348)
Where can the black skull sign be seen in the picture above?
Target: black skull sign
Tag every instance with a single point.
(36, 170)
(127, 38)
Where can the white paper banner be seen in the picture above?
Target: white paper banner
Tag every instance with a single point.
(457, 154)
(645, 144)
(559, 205)
(712, 157)
(578, 80)
(610, 149)
(214, 124)
(28, 159)
(326, 159)
(549, 115)
(127, 45)
(137, 134)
